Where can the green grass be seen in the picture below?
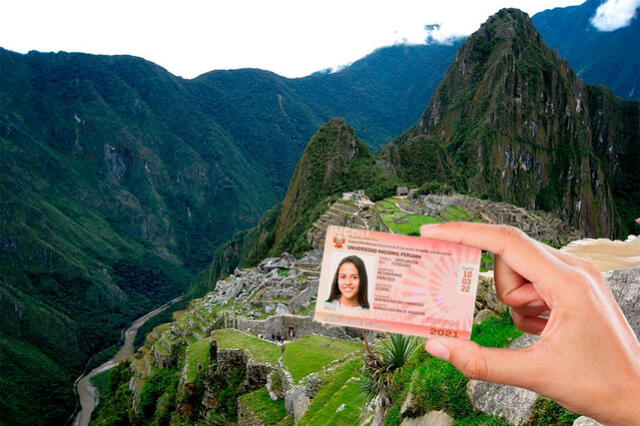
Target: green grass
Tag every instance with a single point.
(283, 272)
(460, 214)
(333, 382)
(349, 398)
(311, 353)
(262, 351)
(548, 412)
(197, 354)
(308, 309)
(270, 412)
(411, 224)
(100, 381)
(160, 348)
(495, 332)
(437, 385)
(401, 222)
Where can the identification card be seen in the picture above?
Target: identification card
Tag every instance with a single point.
(397, 284)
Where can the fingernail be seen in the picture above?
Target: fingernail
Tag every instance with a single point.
(438, 350)
(535, 304)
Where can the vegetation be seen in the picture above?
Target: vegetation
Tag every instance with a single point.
(269, 412)
(311, 353)
(114, 408)
(382, 363)
(323, 406)
(437, 385)
(197, 358)
(472, 143)
(158, 395)
(261, 350)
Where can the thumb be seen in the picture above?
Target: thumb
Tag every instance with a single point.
(508, 366)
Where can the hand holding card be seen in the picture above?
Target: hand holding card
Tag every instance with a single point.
(396, 283)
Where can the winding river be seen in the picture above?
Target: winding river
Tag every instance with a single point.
(88, 394)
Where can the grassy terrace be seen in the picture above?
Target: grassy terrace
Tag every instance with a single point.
(402, 222)
(262, 350)
(310, 354)
(340, 387)
(197, 354)
(268, 411)
(409, 224)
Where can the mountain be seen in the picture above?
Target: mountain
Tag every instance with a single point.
(610, 58)
(120, 180)
(109, 175)
(511, 121)
(272, 117)
(335, 160)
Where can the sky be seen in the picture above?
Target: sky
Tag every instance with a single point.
(293, 38)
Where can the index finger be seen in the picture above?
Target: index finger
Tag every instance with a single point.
(523, 254)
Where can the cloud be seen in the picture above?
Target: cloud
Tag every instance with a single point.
(437, 35)
(615, 14)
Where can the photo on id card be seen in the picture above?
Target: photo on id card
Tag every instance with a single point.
(397, 283)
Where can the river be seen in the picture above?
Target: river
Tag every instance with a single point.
(88, 394)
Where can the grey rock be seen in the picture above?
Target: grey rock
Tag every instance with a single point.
(586, 421)
(524, 341)
(282, 309)
(311, 257)
(296, 401)
(487, 295)
(483, 314)
(625, 286)
(273, 263)
(510, 402)
(287, 259)
(432, 418)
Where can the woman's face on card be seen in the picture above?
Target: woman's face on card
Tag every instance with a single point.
(348, 280)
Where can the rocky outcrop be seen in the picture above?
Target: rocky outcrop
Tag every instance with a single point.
(625, 286)
(432, 418)
(509, 402)
(487, 301)
(246, 415)
(586, 421)
(354, 210)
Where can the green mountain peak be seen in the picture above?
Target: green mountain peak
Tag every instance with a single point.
(513, 122)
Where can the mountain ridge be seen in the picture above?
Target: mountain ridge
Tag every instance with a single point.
(513, 118)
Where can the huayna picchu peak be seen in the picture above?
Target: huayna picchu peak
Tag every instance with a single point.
(511, 121)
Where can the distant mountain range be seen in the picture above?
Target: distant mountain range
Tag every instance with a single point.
(119, 180)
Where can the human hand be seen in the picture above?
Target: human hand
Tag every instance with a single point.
(587, 358)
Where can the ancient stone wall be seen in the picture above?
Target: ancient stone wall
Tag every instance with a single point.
(302, 326)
